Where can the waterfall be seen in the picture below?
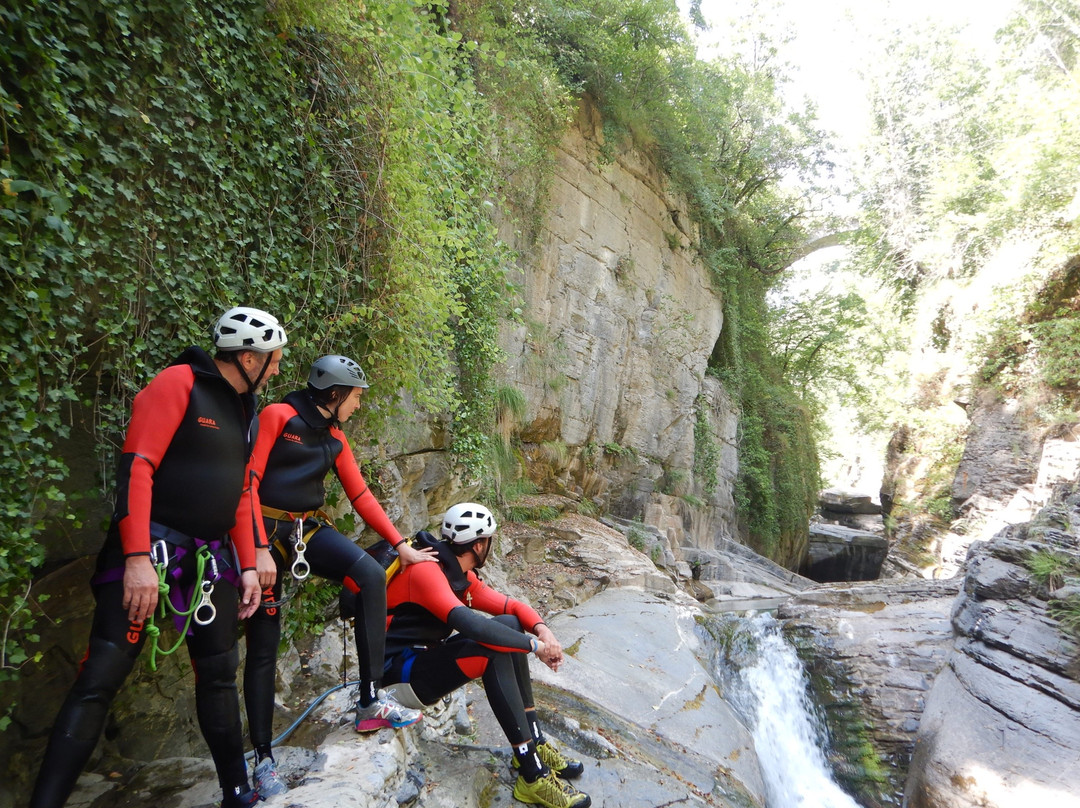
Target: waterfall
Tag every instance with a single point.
(765, 682)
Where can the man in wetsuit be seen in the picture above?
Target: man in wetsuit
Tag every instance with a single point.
(426, 603)
(179, 493)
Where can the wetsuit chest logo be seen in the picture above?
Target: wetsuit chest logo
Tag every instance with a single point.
(210, 423)
(292, 437)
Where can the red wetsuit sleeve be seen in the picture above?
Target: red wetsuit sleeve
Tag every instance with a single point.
(356, 489)
(272, 421)
(156, 414)
(486, 599)
(426, 586)
(248, 531)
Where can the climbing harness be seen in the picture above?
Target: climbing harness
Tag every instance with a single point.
(202, 611)
(296, 546)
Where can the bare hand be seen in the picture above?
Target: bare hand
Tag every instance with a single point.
(410, 555)
(250, 594)
(265, 567)
(551, 654)
(140, 588)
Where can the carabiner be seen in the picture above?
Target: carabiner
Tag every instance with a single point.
(300, 568)
(205, 603)
(159, 548)
(215, 576)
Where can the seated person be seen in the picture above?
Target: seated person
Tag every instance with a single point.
(426, 603)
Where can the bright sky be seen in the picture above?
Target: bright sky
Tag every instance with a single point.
(831, 42)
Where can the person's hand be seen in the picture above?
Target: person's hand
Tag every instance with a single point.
(410, 555)
(265, 567)
(140, 588)
(550, 652)
(250, 594)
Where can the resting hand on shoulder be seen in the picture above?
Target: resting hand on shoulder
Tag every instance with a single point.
(410, 555)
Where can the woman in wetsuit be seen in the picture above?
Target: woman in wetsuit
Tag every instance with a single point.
(300, 440)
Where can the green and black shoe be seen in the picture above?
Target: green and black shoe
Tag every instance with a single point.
(551, 792)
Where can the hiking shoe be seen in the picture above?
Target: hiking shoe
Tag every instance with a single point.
(267, 780)
(551, 792)
(242, 800)
(550, 756)
(385, 712)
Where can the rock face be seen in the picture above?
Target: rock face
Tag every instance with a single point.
(621, 321)
(872, 652)
(1002, 724)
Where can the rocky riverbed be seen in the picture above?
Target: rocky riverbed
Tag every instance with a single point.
(960, 692)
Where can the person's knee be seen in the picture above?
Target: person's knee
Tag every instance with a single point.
(215, 670)
(263, 637)
(105, 668)
(365, 574)
(103, 672)
(474, 667)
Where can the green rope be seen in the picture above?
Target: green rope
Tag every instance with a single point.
(165, 606)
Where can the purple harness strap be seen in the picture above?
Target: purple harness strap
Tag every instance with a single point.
(181, 599)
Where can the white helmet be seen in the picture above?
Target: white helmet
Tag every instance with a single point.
(245, 329)
(466, 522)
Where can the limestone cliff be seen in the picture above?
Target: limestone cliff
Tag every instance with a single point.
(1001, 724)
(619, 318)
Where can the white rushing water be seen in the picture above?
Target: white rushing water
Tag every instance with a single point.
(769, 687)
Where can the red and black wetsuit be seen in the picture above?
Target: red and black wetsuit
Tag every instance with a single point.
(183, 462)
(180, 478)
(297, 447)
(426, 604)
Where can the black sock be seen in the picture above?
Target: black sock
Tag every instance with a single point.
(534, 725)
(368, 691)
(528, 761)
(236, 796)
(262, 752)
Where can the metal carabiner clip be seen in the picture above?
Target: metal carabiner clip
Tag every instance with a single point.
(300, 568)
(215, 576)
(205, 603)
(159, 553)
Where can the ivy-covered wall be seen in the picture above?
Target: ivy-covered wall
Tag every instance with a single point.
(163, 160)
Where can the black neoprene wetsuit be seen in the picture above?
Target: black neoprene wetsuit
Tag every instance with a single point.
(181, 473)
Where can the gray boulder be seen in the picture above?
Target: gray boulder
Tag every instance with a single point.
(872, 651)
(842, 554)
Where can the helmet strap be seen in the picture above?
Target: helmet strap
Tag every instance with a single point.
(480, 559)
(332, 410)
(252, 385)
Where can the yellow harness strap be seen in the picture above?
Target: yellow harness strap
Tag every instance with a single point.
(284, 548)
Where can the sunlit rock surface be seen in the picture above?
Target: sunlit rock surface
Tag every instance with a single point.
(1001, 725)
